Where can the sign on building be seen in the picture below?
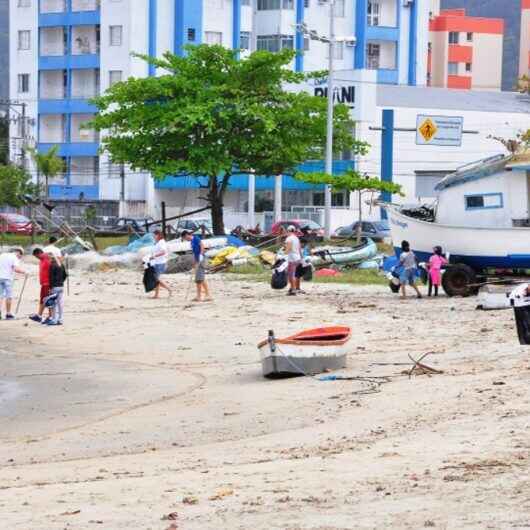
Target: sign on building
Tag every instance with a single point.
(439, 130)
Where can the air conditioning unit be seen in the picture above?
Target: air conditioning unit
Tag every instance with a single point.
(408, 3)
(350, 43)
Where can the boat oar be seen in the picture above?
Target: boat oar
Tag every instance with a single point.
(21, 293)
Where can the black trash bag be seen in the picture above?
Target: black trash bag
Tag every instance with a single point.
(279, 279)
(305, 272)
(522, 319)
(150, 279)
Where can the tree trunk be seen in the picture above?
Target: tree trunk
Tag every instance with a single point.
(215, 198)
(359, 226)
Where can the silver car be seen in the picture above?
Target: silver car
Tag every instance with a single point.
(376, 230)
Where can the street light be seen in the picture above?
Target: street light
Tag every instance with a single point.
(332, 41)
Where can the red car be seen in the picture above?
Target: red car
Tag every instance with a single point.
(14, 223)
(303, 227)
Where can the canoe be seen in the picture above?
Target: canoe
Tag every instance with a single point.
(309, 352)
(328, 255)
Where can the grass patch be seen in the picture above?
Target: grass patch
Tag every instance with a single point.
(355, 277)
(25, 241)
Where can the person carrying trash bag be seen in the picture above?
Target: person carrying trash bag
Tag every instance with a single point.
(520, 301)
(279, 274)
(150, 280)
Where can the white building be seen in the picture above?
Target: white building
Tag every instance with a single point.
(63, 52)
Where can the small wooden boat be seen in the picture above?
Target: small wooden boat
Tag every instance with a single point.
(311, 351)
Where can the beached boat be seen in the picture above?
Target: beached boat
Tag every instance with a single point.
(311, 351)
(328, 255)
(481, 220)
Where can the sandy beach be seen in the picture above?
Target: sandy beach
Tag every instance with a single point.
(141, 414)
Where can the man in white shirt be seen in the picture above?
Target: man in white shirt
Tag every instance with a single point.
(294, 258)
(53, 249)
(9, 265)
(159, 260)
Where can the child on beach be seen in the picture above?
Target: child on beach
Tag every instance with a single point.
(408, 260)
(436, 262)
(57, 278)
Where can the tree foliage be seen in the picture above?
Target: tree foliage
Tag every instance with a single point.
(15, 184)
(520, 143)
(48, 164)
(352, 181)
(213, 115)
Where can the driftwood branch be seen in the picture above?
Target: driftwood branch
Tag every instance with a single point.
(420, 368)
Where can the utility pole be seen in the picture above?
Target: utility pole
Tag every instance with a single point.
(122, 190)
(22, 118)
(329, 134)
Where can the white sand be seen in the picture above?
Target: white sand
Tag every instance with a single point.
(137, 408)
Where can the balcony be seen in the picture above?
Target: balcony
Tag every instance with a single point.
(382, 13)
(387, 76)
(85, 40)
(381, 55)
(382, 33)
(50, 16)
(71, 149)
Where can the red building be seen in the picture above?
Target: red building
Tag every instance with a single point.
(465, 52)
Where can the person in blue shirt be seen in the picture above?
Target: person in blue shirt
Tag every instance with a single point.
(199, 262)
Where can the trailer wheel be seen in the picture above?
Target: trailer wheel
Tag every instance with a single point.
(457, 279)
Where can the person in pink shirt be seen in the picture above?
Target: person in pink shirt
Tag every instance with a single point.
(436, 262)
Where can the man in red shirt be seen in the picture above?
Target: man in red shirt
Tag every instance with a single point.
(44, 279)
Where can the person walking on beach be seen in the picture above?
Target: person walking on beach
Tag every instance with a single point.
(408, 261)
(57, 278)
(199, 261)
(160, 257)
(294, 259)
(436, 262)
(44, 279)
(53, 250)
(9, 266)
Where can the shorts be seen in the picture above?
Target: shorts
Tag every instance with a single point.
(6, 289)
(200, 272)
(44, 292)
(160, 268)
(408, 276)
(292, 268)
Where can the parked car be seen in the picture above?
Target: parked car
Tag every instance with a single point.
(304, 227)
(376, 230)
(14, 223)
(193, 225)
(125, 224)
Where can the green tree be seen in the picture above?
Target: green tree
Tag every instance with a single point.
(15, 184)
(212, 115)
(48, 164)
(4, 140)
(352, 181)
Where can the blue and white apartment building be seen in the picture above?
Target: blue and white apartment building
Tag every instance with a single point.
(64, 52)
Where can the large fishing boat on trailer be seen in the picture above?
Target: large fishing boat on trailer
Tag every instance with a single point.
(481, 219)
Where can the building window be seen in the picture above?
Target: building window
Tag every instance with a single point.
(452, 68)
(468, 67)
(114, 77)
(306, 44)
(24, 39)
(469, 37)
(191, 34)
(484, 201)
(23, 83)
(339, 8)
(115, 35)
(275, 43)
(213, 37)
(373, 13)
(244, 40)
(307, 4)
(373, 54)
(245, 3)
(453, 37)
(24, 3)
(267, 5)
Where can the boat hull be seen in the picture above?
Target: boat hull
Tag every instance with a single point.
(480, 248)
(343, 256)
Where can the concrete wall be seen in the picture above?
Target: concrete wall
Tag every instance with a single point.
(524, 53)
(487, 62)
